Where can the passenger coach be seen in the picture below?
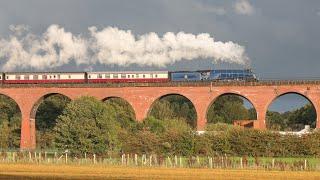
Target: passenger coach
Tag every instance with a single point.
(134, 76)
(43, 77)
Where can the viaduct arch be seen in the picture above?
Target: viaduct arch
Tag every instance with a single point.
(141, 99)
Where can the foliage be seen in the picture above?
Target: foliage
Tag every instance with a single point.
(48, 111)
(174, 107)
(228, 108)
(87, 125)
(124, 113)
(292, 120)
(10, 123)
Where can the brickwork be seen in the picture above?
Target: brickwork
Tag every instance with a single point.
(142, 98)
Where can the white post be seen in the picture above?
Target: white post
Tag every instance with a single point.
(273, 163)
(305, 164)
(66, 160)
(175, 161)
(55, 157)
(210, 162)
(150, 160)
(122, 159)
(30, 157)
(136, 159)
(94, 158)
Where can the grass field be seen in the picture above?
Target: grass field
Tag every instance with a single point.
(33, 171)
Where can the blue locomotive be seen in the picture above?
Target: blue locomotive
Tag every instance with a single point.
(211, 75)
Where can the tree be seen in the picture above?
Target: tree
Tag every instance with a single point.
(4, 134)
(174, 107)
(124, 113)
(228, 108)
(87, 125)
(10, 122)
(47, 113)
(292, 120)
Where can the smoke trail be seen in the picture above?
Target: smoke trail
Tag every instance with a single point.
(56, 47)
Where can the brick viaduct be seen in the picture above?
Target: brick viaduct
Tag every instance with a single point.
(142, 98)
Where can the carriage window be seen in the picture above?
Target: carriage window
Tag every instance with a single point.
(107, 76)
(128, 76)
(7, 77)
(0, 77)
(123, 76)
(26, 77)
(99, 76)
(54, 76)
(17, 77)
(137, 75)
(35, 77)
(58, 76)
(89, 76)
(115, 76)
(144, 76)
(156, 75)
(69, 76)
(132, 76)
(44, 76)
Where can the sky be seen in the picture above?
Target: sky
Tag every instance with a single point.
(279, 39)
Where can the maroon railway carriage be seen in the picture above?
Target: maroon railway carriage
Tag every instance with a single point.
(134, 76)
(43, 77)
(83, 77)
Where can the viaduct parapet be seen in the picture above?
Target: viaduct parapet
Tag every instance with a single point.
(141, 98)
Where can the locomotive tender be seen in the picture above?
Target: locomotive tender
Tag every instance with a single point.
(126, 76)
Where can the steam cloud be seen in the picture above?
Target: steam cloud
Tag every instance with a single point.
(56, 47)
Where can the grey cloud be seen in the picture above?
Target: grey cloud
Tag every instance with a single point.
(219, 10)
(243, 7)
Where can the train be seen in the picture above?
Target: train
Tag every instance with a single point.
(127, 76)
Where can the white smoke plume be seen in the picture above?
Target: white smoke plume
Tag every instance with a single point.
(56, 48)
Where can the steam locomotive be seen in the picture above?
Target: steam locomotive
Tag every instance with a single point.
(127, 76)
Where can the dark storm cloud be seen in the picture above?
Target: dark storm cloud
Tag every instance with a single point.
(281, 37)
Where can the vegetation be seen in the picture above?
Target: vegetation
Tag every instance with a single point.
(10, 123)
(47, 113)
(174, 107)
(292, 120)
(228, 108)
(87, 125)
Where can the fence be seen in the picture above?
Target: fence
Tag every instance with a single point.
(153, 160)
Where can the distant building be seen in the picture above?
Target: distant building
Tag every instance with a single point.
(246, 123)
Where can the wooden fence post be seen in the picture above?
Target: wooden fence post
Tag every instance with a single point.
(150, 160)
(30, 157)
(272, 163)
(136, 159)
(122, 159)
(175, 161)
(211, 162)
(305, 164)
